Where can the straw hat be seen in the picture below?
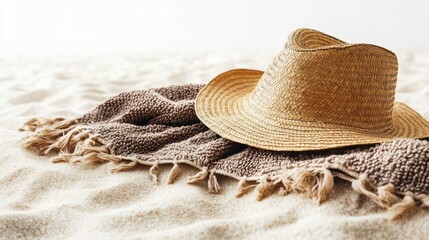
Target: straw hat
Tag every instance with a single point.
(318, 93)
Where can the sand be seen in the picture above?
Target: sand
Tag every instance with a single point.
(39, 199)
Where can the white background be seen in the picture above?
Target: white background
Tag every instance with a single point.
(97, 26)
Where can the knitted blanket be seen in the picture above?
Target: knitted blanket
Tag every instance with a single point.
(159, 126)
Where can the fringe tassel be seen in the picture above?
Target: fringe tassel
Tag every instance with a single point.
(87, 151)
(395, 211)
(384, 196)
(154, 172)
(201, 175)
(265, 188)
(213, 184)
(123, 167)
(287, 187)
(325, 184)
(424, 200)
(55, 123)
(317, 183)
(244, 187)
(50, 135)
(33, 123)
(174, 173)
(305, 181)
(67, 143)
(71, 142)
(387, 194)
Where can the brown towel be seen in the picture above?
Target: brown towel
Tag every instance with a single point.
(159, 126)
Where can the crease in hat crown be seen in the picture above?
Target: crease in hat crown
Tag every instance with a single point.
(318, 93)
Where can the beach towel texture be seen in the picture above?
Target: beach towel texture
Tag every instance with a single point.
(159, 126)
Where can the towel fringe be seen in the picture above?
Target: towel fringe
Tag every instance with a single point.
(383, 196)
(386, 197)
(174, 173)
(396, 210)
(265, 188)
(66, 143)
(74, 143)
(387, 194)
(286, 186)
(244, 187)
(154, 172)
(201, 175)
(50, 135)
(123, 167)
(424, 201)
(317, 183)
(34, 124)
(325, 184)
(212, 183)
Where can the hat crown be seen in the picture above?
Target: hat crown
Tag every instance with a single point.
(319, 78)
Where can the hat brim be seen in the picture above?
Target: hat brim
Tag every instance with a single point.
(222, 106)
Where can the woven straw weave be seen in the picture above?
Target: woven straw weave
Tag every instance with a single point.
(318, 93)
